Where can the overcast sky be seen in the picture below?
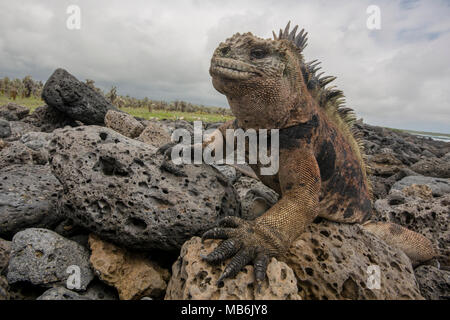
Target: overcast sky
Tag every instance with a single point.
(397, 76)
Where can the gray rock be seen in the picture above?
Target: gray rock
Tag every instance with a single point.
(434, 283)
(381, 185)
(396, 198)
(28, 196)
(4, 289)
(17, 153)
(13, 112)
(96, 291)
(5, 250)
(76, 99)
(155, 134)
(438, 186)
(195, 279)
(123, 123)
(177, 124)
(429, 217)
(5, 129)
(331, 261)
(42, 257)
(18, 129)
(433, 167)
(387, 151)
(61, 293)
(48, 119)
(228, 171)
(428, 154)
(36, 140)
(446, 157)
(122, 190)
(406, 147)
(384, 164)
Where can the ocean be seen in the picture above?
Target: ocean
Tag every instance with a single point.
(434, 137)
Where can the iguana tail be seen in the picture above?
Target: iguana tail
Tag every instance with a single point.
(413, 244)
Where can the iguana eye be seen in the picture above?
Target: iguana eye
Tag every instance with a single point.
(258, 53)
(225, 50)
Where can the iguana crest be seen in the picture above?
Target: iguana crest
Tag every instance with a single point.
(331, 99)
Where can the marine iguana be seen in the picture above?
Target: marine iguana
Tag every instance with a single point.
(322, 171)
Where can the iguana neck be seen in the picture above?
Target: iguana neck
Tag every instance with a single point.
(284, 110)
(304, 109)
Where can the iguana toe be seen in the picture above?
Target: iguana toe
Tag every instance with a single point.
(244, 242)
(225, 250)
(217, 233)
(240, 260)
(260, 266)
(231, 222)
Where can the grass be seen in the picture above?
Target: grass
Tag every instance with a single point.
(33, 103)
(174, 115)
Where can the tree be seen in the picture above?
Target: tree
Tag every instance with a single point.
(28, 86)
(13, 93)
(91, 84)
(6, 84)
(112, 94)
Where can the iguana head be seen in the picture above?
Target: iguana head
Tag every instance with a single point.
(261, 78)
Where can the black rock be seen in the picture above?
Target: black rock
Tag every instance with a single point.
(4, 289)
(5, 250)
(5, 129)
(434, 283)
(61, 293)
(28, 195)
(13, 112)
(48, 119)
(126, 192)
(76, 99)
(42, 257)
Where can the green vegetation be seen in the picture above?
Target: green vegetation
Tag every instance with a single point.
(173, 115)
(27, 92)
(31, 102)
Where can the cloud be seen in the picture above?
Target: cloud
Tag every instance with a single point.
(397, 76)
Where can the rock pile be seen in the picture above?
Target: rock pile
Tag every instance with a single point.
(85, 198)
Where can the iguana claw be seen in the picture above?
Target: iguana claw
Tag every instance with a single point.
(243, 244)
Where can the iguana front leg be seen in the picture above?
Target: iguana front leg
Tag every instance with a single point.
(271, 234)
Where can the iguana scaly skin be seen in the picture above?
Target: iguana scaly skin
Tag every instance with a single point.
(321, 166)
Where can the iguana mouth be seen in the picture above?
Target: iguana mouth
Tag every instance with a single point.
(231, 69)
